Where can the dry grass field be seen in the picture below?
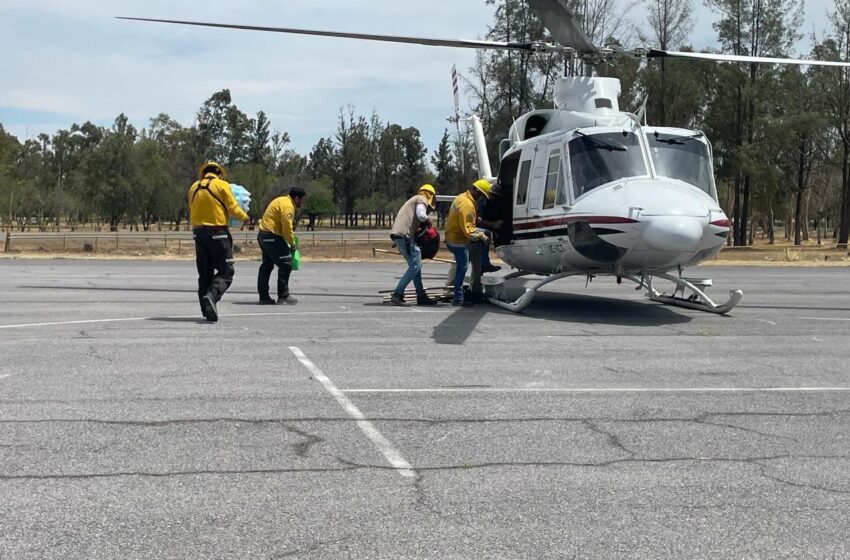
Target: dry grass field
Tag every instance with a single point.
(138, 247)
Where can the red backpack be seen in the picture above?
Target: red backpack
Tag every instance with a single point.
(428, 240)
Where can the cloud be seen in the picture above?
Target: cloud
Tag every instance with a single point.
(72, 61)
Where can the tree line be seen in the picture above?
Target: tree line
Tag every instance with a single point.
(123, 176)
(780, 133)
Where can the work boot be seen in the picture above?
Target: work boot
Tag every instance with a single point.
(396, 299)
(490, 268)
(477, 297)
(210, 312)
(425, 300)
(289, 300)
(267, 301)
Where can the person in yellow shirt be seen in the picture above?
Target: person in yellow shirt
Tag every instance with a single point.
(211, 203)
(460, 233)
(277, 243)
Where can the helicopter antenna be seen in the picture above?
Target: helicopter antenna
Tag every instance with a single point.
(460, 152)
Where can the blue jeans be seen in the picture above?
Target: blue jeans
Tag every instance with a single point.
(461, 255)
(408, 249)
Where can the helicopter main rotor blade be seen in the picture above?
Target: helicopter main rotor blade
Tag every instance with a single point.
(563, 25)
(387, 38)
(656, 53)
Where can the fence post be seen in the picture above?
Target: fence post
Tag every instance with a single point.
(8, 242)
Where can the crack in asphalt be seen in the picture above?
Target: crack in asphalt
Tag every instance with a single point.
(699, 419)
(612, 438)
(169, 474)
(805, 485)
(302, 449)
(349, 466)
(422, 495)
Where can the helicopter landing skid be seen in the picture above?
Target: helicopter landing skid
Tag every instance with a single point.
(495, 290)
(697, 300)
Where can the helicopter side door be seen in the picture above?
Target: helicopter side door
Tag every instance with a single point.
(521, 190)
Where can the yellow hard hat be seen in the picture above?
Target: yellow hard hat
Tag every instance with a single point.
(207, 164)
(428, 188)
(483, 185)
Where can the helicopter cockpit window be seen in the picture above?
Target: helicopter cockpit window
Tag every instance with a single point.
(598, 159)
(682, 157)
(555, 192)
(522, 185)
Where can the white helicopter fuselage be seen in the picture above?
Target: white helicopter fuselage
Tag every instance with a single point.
(590, 190)
(631, 226)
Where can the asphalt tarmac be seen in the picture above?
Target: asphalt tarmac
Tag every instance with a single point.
(596, 424)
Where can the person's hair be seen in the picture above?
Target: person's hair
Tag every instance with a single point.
(212, 169)
(297, 192)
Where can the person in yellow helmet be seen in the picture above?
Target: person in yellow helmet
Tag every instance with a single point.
(277, 242)
(412, 213)
(462, 237)
(211, 203)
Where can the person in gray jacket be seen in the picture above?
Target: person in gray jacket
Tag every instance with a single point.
(412, 213)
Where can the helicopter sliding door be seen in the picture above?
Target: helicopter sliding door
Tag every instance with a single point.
(548, 192)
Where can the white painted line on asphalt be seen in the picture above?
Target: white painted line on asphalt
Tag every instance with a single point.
(83, 322)
(383, 445)
(824, 319)
(607, 390)
(126, 319)
(766, 321)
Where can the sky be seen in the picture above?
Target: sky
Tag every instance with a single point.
(67, 61)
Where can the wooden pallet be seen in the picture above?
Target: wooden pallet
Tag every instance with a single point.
(439, 293)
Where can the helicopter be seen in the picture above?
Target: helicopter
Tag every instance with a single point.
(583, 188)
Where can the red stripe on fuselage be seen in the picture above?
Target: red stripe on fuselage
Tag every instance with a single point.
(721, 223)
(564, 220)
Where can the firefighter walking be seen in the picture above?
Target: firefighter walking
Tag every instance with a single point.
(211, 203)
(277, 242)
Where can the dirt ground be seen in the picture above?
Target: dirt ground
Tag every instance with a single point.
(378, 251)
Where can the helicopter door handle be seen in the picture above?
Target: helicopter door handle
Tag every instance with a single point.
(634, 211)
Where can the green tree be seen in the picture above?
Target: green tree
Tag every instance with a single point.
(318, 203)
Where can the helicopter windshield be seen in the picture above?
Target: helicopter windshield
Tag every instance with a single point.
(683, 157)
(597, 159)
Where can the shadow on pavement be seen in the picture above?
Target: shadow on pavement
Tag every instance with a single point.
(569, 308)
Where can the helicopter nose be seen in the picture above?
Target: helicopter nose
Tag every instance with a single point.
(672, 233)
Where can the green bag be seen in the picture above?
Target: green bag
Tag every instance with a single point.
(296, 255)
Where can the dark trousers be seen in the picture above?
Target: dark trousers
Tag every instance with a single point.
(214, 259)
(275, 253)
